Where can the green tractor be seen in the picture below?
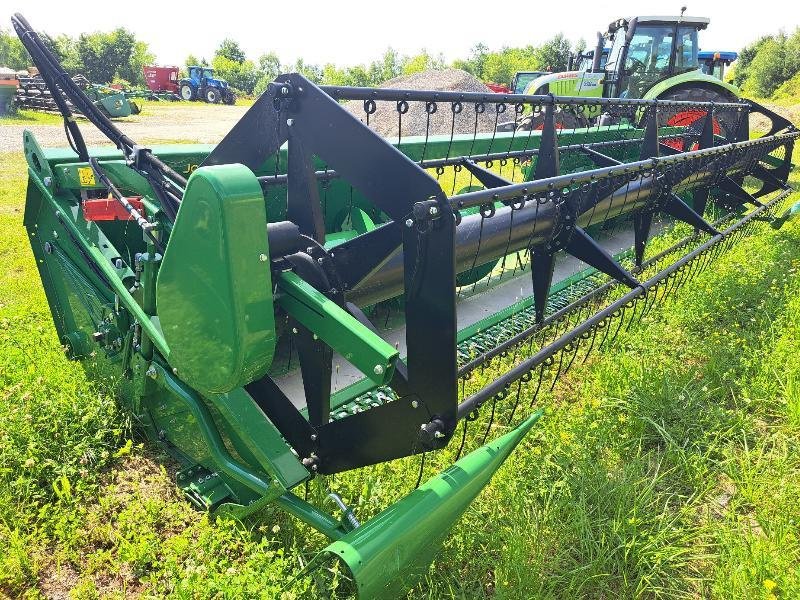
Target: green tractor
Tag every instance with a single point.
(650, 57)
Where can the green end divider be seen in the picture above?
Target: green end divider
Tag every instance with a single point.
(389, 553)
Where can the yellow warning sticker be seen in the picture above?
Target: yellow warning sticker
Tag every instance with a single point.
(86, 176)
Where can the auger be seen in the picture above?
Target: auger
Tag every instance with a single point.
(307, 298)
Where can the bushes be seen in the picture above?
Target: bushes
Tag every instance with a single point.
(768, 63)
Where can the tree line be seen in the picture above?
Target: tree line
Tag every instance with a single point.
(103, 57)
(118, 57)
(768, 63)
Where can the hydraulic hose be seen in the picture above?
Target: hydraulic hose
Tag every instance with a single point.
(61, 84)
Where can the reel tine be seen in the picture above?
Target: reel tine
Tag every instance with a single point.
(558, 370)
(463, 439)
(538, 385)
(421, 469)
(491, 421)
(516, 401)
(591, 345)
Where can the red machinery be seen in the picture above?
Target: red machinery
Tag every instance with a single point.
(161, 79)
(498, 88)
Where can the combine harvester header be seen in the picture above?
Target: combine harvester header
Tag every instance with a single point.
(315, 298)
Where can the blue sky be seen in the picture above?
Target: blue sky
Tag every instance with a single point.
(349, 32)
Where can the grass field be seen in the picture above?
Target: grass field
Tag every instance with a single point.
(665, 467)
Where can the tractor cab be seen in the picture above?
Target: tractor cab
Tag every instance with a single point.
(584, 62)
(205, 76)
(523, 78)
(714, 63)
(647, 50)
(203, 85)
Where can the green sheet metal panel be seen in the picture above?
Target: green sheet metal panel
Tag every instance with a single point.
(214, 289)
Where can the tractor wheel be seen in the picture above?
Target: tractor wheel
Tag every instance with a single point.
(187, 92)
(212, 95)
(723, 125)
(563, 119)
(230, 98)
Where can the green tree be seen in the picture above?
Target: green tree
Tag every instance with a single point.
(231, 50)
(476, 63)
(767, 71)
(12, 53)
(422, 62)
(746, 56)
(389, 66)
(553, 55)
(118, 53)
(269, 67)
(311, 72)
(241, 76)
(501, 66)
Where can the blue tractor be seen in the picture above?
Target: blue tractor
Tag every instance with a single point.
(202, 85)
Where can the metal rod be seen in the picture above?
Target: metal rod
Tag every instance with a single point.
(363, 93)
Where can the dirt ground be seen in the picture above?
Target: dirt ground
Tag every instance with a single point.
(159, 122)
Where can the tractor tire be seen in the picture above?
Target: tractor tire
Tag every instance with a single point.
(187, 92)
(213, 95)
(724, 125)
(230, 98)
(563, 120)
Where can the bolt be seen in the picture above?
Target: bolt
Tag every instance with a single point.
(48, 181)
(175, 370)
(289, 122)
(378, 369)
(48, 247)
(151, 372)
(263, 257)
(119, 264)
(320, 260)
(313, 437)
(433, 210)
(438, 435)
(55, 234)
(409, 223)
(294, 329)
(414, 404)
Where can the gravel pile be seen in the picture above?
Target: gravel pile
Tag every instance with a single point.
(385, 119)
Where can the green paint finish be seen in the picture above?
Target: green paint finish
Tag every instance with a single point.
(254, 436)
(389, 552)
(568, 83)
(346, 335)
(210, 435)
(214, 290)
(690, 79)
